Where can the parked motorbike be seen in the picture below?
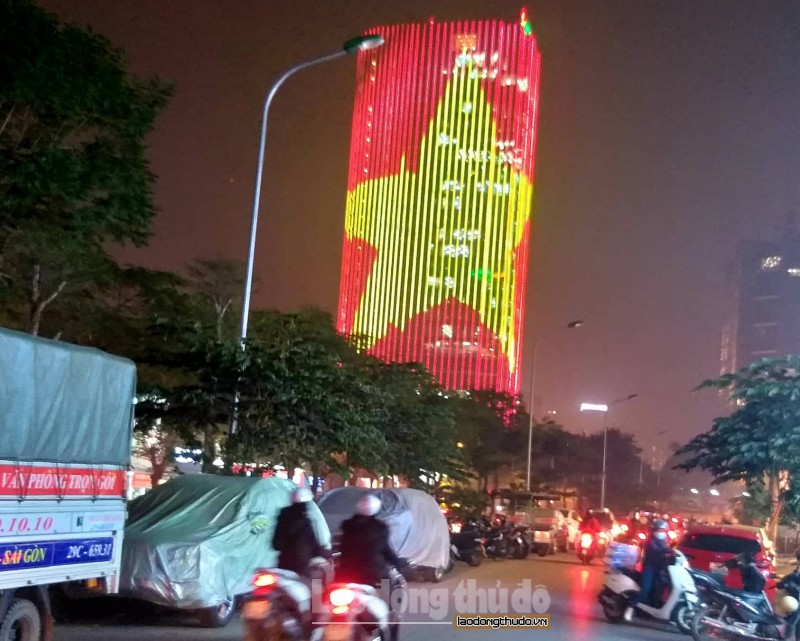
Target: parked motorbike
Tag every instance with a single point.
(495, 541)
(280, 605)
(519, 542)
(622, 584)
(466, 544)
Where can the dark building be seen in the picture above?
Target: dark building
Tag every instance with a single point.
(764, 318)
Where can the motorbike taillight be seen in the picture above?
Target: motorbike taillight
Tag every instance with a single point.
(586, 540)
(263, 579)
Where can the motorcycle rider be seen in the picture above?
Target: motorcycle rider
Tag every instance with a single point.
(295, 538)
(367, 556)
(590, 523)
(657, 556)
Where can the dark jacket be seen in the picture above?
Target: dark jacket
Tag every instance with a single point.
(657, 554)
(296, 540)
(366, 553)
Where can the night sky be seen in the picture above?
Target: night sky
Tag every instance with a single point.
(668, 131)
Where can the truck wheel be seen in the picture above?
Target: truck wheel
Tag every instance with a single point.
(22, 622)
(216, 617)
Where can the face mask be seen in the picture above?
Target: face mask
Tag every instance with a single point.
(660, 535)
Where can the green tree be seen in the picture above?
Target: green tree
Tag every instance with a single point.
(492, 426)
(307, 398)
(760, 441)
(418, 426)
(74, 175)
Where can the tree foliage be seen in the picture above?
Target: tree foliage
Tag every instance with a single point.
(493, 429)
(760, 441)
(73, 169)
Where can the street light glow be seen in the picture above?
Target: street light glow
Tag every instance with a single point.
(694, 490)
(714, 492)
(593, 407)
(746, 494)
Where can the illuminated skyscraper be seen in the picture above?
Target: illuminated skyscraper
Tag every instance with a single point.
(438, 212)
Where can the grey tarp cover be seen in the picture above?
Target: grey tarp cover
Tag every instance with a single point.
(418, 529)
(63, 403)
(196, 540)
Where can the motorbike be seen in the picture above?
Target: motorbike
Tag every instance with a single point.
(739, 615)
(587, 547)
(357, 612)
(466, 544)
(728, 613)
(519, 542)
(495, 541)
(622, 584)
(280, 604)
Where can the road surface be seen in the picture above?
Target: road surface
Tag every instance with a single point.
(571, 589)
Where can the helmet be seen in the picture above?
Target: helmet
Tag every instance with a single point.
(786, 605)
(658, 524)
(302, 495)
(368, 505)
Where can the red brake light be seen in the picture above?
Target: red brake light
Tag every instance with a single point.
(341, 597)
(264, 579)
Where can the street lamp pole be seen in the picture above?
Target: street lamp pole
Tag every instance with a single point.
(531, 402)
(354, 45)
(605, 446)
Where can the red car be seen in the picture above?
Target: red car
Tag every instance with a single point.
(708, 547)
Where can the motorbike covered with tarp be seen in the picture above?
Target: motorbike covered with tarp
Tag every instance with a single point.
(194, 542)
(417, 528)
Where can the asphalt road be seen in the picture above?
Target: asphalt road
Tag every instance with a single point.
(571, 590)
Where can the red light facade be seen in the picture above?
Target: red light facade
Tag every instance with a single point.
(438, 212)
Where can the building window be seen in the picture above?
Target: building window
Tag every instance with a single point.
(770, 262)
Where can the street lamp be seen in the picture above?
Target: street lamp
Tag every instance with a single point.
(354, 45)
(570, 325)
(592, 407)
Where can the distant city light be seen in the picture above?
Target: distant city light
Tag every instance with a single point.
(714, 492)
(694, 490)
(771, 262)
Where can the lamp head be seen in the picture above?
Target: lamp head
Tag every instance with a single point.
(363, 43)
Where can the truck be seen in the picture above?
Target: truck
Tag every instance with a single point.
(66, 421)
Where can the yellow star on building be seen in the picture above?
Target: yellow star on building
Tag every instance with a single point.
(450, 229)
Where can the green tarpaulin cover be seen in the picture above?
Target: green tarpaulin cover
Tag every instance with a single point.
(62, 403)
(196, 540)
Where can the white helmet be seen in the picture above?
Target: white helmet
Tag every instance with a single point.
(368, 505)
(786, 605)
(302, 495)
